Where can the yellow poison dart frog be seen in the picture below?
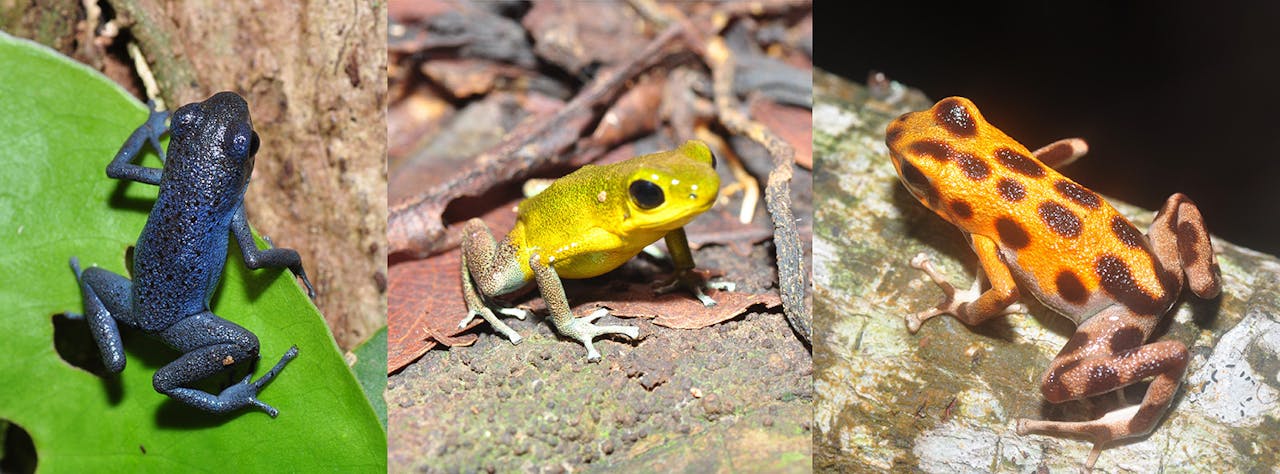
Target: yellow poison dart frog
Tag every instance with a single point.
(1037, 231)
(586, 224)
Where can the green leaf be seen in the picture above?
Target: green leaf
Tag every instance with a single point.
(60, 124)
(371, 369)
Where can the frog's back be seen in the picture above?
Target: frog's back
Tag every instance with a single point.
(1053, 233)
(591, 221)
(572, 206)
(177, 262)
(183, 247)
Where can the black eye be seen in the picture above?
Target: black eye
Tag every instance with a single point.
(913, 177)
(646, 194)
(241, 144)
(253, 144)
(180, 120)
(713, 158)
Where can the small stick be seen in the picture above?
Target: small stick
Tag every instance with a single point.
(791, 274)
(415, 226)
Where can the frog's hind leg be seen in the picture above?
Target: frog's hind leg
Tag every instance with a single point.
(479, 254)
(106, 299)
(210, 344)
(581, 329)
(1182, 247)
(1107, 354)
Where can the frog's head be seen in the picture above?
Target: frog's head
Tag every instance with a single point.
(216, 136)
(666, 190)
(945, 151)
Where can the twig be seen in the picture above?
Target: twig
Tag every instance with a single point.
(416, 225)
(791, 271)
(744, 181)
(144, 73)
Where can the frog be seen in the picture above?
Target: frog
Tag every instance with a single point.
(179, 256)
(586, 224)
(1038, 232)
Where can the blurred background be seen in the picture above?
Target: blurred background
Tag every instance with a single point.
(1171, 96)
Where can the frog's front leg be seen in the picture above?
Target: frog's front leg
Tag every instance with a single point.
(122, 167)
(581, 329)
(106, 299)
(684, 277)
(494, 269)
(256, 258)
(971, 307)
(1106, 354)
(210, 344)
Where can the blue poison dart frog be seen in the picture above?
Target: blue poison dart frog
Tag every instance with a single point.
(179, 257)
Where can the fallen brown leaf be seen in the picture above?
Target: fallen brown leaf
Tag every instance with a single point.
(424, 305)
(677, 309)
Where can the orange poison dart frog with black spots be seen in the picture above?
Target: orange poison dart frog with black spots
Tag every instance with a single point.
(1037, 231)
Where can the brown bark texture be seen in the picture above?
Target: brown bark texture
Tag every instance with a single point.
(314, 74)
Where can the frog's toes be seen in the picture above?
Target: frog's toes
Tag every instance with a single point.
(517, 313)
(244, 394)
(722, 285)
(584, 330)
(275, 370)
(706, 300)
(471, 315)
(271, 411)
(493, 320)
(694, 285)
(953, 299)
(914, 321)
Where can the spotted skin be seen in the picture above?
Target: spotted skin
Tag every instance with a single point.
(1036, 230)
(1011, 190)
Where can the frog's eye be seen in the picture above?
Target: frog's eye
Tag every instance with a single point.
(180, 120)
(913, 177)
(646, 194)
(243, 145)
(713, 158)
(253, 144)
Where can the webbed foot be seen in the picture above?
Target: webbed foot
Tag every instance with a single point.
(584, 330)
(694, 283)
(245, 393)
(954, 300)
(497, 324)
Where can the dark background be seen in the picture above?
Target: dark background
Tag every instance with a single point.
(1171, 97)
